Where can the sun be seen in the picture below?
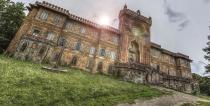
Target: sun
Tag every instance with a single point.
(104, 20)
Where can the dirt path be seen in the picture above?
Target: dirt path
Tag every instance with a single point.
(171, 100)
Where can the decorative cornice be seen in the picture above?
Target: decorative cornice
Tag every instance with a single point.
(136, 15)
(72, 16)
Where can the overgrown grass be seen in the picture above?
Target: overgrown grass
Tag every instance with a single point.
(25, 83)
(202, 103)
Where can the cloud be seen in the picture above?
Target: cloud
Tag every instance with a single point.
(183, 24)
(173, 15)
(176, 17)
(206, 1)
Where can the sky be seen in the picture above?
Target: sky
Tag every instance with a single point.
(178, 25)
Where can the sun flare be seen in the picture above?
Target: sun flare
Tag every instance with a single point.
(104, 20)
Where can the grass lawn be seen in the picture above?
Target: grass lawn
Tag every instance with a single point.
(25, 83)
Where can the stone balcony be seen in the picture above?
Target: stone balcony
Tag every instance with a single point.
(39, 39)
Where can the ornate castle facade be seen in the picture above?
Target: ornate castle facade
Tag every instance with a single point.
(52, 34)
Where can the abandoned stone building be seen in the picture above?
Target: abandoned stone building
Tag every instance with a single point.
(52, 34)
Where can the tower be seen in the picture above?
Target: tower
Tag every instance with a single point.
(135, 37)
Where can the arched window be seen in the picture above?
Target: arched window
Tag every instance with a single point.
(113, 55)
(92, 51)
(44, 15)
(102, 52)
(50, 35)
(82, 30)
(134, 52)
(56, 56)
(74, 61)
(68, 25)
(78, 46)
(57, 19)
(42, 50)
(24, 46)
(62, 42)
(36, 32)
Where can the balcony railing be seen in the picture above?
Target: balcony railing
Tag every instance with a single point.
(39, 39)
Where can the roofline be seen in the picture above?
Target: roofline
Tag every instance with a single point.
(72, 16)
(136, 15)
(177, 55)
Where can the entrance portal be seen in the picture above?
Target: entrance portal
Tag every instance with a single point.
(133, 52)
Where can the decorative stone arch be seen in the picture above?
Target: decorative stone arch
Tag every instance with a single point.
(100, 67)
(23, 46)
(134, 53)
(74, 60)
(42, 50)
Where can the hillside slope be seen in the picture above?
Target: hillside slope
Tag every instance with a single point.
(176, 99)
(25, 83)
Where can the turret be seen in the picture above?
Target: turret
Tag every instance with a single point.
(135, 39)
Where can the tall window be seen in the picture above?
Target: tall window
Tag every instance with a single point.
(92, 50)
(42, 50)
(68, 25)
(44, 15)
(62, 42)
(24, 46)
(78, 46)
(56, 56)
(74, 61)
(50, 35)
(82, 30)
(102, 52)
(57, 19)
(113, 55)
(35, 32)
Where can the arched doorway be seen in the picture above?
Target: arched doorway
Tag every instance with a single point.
(100, 67)
(133, 52)
(74, 61)
(23, 47)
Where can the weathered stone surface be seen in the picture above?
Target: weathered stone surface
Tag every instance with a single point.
(54, 35)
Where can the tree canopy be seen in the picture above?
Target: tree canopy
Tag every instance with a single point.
(11, 17)
(207, 56)
(204, 84)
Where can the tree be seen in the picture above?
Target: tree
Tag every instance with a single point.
(204, 84)
(11, 17)
(207, 56)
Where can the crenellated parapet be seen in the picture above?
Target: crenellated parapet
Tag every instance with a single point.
(136, 15)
